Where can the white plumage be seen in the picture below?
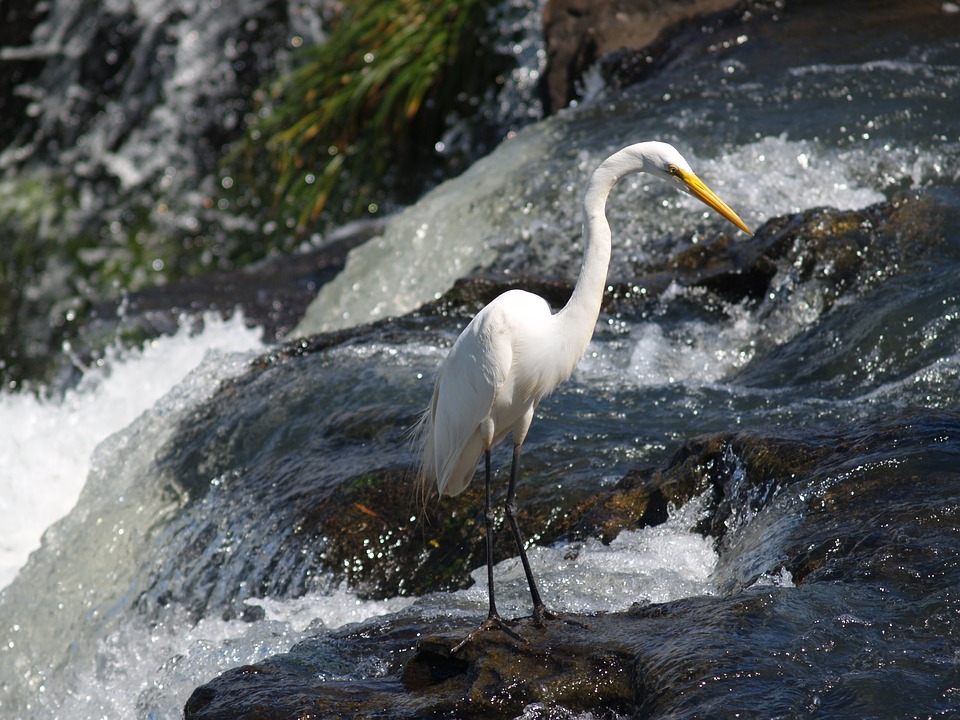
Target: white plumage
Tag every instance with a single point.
(515, 351)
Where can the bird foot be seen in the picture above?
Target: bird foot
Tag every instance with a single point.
(541, 614)
(493, 622)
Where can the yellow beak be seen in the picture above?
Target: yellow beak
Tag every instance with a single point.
(710, 199)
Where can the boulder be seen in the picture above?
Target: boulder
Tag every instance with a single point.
(579, 33)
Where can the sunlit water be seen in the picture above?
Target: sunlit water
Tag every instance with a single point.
(468, 224)
(47, 445)
(136, 667)
(72, 647)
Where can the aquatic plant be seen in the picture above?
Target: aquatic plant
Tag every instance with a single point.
(357, 119)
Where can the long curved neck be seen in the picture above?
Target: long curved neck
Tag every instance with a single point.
(579, 316)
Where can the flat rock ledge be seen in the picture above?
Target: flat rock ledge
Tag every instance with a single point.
(576, 662)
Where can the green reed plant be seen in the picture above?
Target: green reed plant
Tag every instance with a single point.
(357, 118)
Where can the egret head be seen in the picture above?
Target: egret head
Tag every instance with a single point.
(666, 162)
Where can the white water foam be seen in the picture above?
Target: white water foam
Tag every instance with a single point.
(327, 611)
(694, 352)
(652, 565)
(157, 668)
(154, 669)
(46, 444)
(778, 176)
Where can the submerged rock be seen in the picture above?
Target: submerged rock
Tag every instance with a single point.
(866, 510)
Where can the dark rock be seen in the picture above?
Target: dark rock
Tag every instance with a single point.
(855, 508)
(469, 294)
(638, 500)
(493, 675)
(821, 242)
(586, 666)
(834, 246)
(272, 294)
(578, 33)
(839, 250)
(849, 533)
(742, 471)
(684, 39)
(860, 544)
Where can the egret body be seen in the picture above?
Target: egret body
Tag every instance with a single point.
(515, 351)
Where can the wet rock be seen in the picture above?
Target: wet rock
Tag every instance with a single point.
(584, 666)
(740, 471)
(869, 525)
(272, 295)
(493, 675)
(840, 249)
(638, 500)
(286, 481)
(469, 294)
(869, 513)
(679, 42)
(373, 529)
(578, 33)
(857, 510)
(832, 246)
(829, 251)
(335, 478)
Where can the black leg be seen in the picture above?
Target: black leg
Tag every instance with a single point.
(493, 621)
(539, 609)
(488, 524)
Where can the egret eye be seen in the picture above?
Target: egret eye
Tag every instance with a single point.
(674, 170)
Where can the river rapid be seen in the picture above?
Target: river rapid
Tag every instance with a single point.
(168, 485)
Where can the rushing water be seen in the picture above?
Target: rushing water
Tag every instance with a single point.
(163, 575)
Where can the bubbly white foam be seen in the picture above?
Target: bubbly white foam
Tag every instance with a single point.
(695, 353)
(46, 445)
(157, 667)
(775, 578)
(655, 564)
(339, 608)
(778, 176)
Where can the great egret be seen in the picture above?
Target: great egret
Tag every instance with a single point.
(515, 351)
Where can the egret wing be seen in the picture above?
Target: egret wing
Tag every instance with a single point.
(469, 381)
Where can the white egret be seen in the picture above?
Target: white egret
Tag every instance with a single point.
(515, 351)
